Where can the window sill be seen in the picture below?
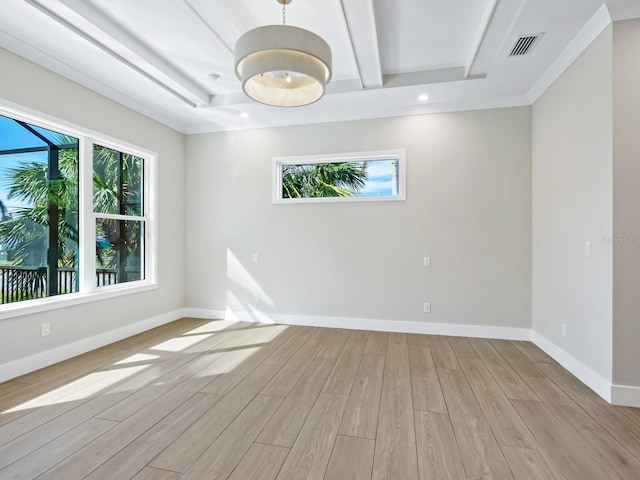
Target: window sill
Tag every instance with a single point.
(29, 307)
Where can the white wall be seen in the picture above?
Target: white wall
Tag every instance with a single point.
(468, 207)
(626, 202)
(31, 86)
(572, 204)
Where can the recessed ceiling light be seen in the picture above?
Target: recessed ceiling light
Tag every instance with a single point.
(244, 115)
(423, 97)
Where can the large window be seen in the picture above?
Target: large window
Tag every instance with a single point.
(75, 213)
(363, 176)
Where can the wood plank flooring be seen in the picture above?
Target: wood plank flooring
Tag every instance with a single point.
(199, 399)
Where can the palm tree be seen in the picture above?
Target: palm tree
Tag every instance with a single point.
(117, 180)
(117, 189)
(25, 230)
(341, 179)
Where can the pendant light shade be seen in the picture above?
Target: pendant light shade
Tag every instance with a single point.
(283, 66)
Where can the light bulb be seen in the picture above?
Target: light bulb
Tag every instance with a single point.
(287, 77)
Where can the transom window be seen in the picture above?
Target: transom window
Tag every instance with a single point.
(75, 212)
(363, 176)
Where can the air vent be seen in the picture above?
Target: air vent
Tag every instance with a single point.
(524, 44)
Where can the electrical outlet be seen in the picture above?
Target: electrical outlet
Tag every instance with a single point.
(564, 329)
(587, 249)
(256, 297)
(427, 261)
(45, 329)
(427, 308)
(256, 258)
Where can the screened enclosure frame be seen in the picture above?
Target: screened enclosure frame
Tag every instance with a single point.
(52, 151)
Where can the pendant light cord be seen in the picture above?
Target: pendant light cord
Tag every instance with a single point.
(284, 13)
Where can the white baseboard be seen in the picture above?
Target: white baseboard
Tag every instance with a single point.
(616, 394)
(399, 326)
(203, 313)
(40, 360)
(625, 395)
(585, 374)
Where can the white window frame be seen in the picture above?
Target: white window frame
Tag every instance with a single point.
(88, 291)
(395, 154)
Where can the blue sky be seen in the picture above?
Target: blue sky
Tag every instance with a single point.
(378, 179)
(14, 136)
(7, 162)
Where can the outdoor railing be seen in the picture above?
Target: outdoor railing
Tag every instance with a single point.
(25, 283)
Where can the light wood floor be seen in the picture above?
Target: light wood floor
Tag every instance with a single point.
(217, 400)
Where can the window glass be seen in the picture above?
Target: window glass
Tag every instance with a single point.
(120, 250)
(16, 134)
(118, 192)
(362, 176)
(39, 212)
(117, 182)
(373, 178)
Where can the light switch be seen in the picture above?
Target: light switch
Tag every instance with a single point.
(427, 261)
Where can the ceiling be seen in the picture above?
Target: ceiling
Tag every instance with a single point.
(172, 60)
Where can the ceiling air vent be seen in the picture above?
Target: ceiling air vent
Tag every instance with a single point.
(524, 44)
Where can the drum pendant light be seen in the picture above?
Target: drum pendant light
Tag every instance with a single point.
(283, 66)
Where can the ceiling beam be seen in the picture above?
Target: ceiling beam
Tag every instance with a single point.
(410, 79)
(482, 32)
(427, 77)
(79, 75)
(183, 87)
(360, 19)
(200, 16)
(496, 31)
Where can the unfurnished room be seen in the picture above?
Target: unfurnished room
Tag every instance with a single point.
(301, 240)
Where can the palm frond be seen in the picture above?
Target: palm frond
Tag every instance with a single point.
(341, 179)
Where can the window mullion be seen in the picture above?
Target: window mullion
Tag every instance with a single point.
(87, 218)
(114, 216)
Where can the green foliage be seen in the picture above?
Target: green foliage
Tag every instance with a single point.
(118, 242)
(109, 195)
(25, 232)
(342, 179)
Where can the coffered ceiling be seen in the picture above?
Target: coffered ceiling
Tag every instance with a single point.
(173, 59)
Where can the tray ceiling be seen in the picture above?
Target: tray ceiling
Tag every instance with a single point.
(173, 59)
